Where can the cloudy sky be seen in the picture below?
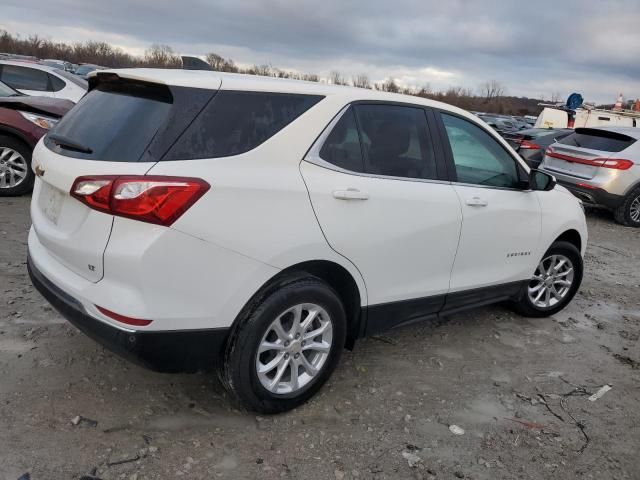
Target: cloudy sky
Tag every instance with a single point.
(534, 48)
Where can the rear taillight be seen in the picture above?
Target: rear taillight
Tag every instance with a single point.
(527, 145)
(147, 198)
(618, 163)
(615, 163)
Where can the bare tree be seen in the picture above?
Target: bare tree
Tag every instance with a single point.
(389, 85)
(361, 81)
(492, 89)
(336, 78)
(161, 56)
(555, 97)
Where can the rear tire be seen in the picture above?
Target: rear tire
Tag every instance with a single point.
(15, 159)
(267, 335)
(628, 212)
(547, 292)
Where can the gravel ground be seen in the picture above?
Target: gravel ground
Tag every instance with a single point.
(518, 388)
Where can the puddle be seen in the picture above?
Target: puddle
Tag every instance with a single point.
(188, 421)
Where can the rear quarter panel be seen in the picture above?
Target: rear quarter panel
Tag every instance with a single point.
(258, 205)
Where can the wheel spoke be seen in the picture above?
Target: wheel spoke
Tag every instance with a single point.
(266, 346)
(266, 368)
(311, 316)
(536, 288)
(318, 331)
(282, 367)
(323, 347)
(310, 369)
(279, 329)
(547, 297)
(297, 319)
(540, 293)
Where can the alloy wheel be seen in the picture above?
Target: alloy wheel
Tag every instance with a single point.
(13, 168)
(634, 210)
(551, 281)
(294, 349)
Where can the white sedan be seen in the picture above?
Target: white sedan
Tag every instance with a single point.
(41, 80)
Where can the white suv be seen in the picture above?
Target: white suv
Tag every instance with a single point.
(191, 220)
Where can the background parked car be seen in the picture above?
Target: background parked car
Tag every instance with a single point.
(40, 80)
(500, 125)
(23, 121)
(86, 68)
(601, 166)
(531, 143)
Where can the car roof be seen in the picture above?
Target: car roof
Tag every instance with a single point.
(37, 66)
(256, 83)
(633, 132)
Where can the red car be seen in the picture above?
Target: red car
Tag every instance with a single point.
(23, 121)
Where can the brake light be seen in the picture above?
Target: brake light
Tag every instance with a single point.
(527, 145)
(615, 163)
(137, 322)
(618, 163)
(148, 198)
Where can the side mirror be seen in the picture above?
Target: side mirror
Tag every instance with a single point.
(539, 180)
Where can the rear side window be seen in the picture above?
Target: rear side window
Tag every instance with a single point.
(396, 142)
(56, 83)
(342, 146)
(236, 122)
(113, 122)
(594, 139)
(25, 78)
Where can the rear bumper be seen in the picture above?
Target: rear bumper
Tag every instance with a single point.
(593, 196)
(162, 351)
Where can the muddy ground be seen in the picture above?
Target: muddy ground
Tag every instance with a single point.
(518, 387)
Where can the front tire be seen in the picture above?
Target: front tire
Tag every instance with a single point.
(628, 213)
(286, 345)
(16, 176)
(553, 284)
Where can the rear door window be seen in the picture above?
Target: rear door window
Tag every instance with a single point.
(236, 122)
(594, 139)
(25, 78)
(113, 122)
(395, 141)
(342, 146)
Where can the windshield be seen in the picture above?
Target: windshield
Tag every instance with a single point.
(7, 91)
(84, 69)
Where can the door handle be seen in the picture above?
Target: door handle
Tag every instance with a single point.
(477, 202)
(350, 194)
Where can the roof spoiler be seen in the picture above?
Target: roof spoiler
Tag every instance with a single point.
(195, 63)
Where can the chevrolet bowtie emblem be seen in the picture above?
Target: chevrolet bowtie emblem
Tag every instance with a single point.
(39, 170)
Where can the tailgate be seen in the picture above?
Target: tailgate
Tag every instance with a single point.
(72, 233)
(573, 161)
(121, 127)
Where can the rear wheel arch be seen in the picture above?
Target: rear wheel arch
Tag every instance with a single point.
(11, 133)
(333, 274)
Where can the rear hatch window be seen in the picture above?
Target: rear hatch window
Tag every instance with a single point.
(115, 122)
(594, 139)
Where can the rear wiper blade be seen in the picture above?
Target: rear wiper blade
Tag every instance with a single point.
(68, 144)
